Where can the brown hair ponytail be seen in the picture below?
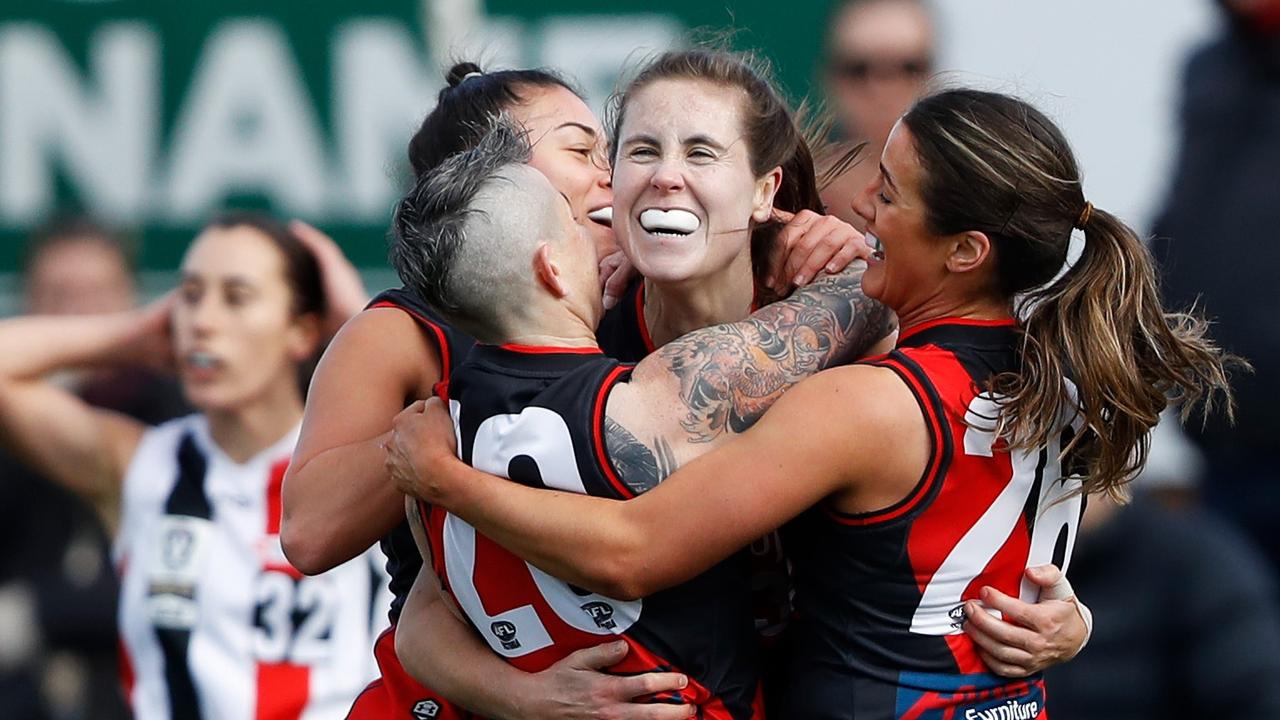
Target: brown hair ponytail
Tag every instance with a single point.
(1102, 325)
(995, 164)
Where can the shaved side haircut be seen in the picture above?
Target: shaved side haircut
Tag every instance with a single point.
(465, 234)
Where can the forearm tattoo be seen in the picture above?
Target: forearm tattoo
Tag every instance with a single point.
(640, 467)
(730, 374)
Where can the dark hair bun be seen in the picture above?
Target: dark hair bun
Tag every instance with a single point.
(459, 72)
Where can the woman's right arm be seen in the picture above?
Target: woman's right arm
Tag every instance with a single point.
(338, 499)
(83, 448)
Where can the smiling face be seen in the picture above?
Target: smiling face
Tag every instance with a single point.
(234, 331)
(685, 197)
(911, 260)
(568, 148)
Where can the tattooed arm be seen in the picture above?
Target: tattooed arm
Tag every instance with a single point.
(711, 384)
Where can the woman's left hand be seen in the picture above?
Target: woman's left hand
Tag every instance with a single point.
(810, 243)
(1032, 636)
(420, 449)
(344, 291)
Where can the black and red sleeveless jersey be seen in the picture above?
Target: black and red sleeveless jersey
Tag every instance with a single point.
(536, 416)
(880, 596)
(394, 695)
(403, 558)
(622, 333)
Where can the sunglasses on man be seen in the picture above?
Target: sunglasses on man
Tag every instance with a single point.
(860, 69)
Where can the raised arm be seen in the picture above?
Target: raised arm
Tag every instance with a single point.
(83, 448)
(704, 387)
(440, 650)
(337, 498)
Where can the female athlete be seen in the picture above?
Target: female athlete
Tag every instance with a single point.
(937, 474)
(214, 621)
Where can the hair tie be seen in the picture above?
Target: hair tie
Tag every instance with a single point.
(468, 76)
(1084, 215)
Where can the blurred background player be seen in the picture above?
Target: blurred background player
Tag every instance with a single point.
(57, 589)
(213, 621)
(878, 56)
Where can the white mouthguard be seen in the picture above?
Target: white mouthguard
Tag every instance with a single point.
(603, 215)
(677, 222)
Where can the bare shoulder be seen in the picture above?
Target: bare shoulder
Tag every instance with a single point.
(867, 394)
(384, 342)
(376, 363)
(856, 411)
(380, 327)
(873, 431)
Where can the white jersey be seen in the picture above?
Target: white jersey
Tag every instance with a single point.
(215, 623)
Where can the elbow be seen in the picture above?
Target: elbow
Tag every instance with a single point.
(408, 653)
(305, 550)
(305, 537)
(625, 590)
(626, 576)
(412, 633)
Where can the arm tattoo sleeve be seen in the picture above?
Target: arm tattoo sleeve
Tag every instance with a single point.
(730, 374)
(640, 467)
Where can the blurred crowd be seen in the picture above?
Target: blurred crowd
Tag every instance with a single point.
(1181, 580)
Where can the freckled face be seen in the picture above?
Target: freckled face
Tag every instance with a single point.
(681, 148)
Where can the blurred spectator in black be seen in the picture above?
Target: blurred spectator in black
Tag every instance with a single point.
(1184, 607)
(1185, 620)
(878, 56)
(58, 657)
(1218, 239)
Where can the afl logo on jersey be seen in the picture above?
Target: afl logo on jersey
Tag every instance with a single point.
(958, 616)
(426, 709)
(178, 544)
(506, 634)
(601, 613)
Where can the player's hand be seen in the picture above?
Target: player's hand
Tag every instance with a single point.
(810, 243)
(1031, 637)
(616, 272)
(344, 291)
(575, 687)
(148, 339)
(421, 450)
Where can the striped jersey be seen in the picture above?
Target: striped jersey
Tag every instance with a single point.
(536, 416)
(214, 621)
(880, 596)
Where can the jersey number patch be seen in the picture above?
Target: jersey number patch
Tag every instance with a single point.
(542, 437)
(293, 619)
(1053, 533)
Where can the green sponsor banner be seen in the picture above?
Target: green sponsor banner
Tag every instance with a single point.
(153, 114)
